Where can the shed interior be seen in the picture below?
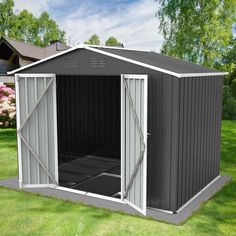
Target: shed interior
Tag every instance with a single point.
(88, 116)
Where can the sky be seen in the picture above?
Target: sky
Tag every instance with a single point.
(132, 22)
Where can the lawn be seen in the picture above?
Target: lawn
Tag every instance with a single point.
(29, 214)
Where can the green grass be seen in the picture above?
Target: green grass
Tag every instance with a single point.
(8, 157)
(24, 213)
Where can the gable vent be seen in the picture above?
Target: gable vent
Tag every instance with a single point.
(97, 63)
(70, 63)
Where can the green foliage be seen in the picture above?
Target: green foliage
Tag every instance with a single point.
(229, 63)
(230, 57)
(47, 30)
(112, 41)
(197, 31)
(26, 27)
(232, 75)
(6, 16)
(229, 104)
(233, 88)
(94, 40)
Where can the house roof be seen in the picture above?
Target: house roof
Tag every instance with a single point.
(147, 59)
(28, 50)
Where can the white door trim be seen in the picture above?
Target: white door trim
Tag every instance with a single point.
(55, 128)
(17, 127)
(20, 138)
(123, 171)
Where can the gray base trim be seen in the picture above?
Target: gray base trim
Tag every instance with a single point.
(178, 218)
(183, 214)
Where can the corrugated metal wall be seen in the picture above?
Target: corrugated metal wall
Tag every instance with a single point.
(163, 94)
(199, 135)
(88, 110)
(38, 131)
(184, 117)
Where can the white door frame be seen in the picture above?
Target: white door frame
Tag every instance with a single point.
(123, 171)
(19, 142)
(18, 125)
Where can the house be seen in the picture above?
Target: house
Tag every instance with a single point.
(15, 54)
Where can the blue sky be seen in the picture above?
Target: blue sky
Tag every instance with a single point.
(133, 22)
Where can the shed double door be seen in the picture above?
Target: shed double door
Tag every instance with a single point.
(36, 130)
(134, 141)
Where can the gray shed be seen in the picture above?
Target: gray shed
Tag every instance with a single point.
(129, 126)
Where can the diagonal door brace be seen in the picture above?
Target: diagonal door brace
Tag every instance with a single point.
(37, 158)
(35, 105)
(134, 113)
(140, 159)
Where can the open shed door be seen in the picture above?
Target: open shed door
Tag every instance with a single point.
(36, 130)
(134, 140)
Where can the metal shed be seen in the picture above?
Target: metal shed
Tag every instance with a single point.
(129, 126)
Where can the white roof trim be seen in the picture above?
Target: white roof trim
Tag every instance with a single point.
(132, 61)
(187, 75)
(95, 48)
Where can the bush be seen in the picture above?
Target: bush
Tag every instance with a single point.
(229, 104)
(233, 87)
(7, 107)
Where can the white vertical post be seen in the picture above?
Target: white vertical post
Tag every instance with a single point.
(145, 139)
(55, 127)
(27, 129)
(17, 78)
(122, 119)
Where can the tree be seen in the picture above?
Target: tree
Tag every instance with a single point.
(6, 16)
(26, 27)
(197, 30)
(93, 40)
(229, 61)
(112, 41)
(47, 30)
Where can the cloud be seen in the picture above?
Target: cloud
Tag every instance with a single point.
(36, 7)
(132, 22)
(32, 6)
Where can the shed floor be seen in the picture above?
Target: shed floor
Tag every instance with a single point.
(92, 174)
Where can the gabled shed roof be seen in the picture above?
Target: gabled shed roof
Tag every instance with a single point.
(147, 59)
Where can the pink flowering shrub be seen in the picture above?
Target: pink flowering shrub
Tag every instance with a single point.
(7, 107)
